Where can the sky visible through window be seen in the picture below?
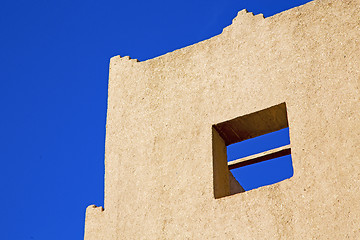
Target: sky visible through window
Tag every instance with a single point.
(263, 173)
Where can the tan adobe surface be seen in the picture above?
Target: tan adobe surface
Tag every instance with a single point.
(159, 134)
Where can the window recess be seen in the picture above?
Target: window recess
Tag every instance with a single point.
(251, 151)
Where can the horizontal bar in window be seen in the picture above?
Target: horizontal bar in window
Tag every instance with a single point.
(260, 157)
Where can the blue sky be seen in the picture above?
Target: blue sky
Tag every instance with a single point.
(54, 58)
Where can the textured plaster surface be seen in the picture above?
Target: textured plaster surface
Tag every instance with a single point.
(159, 159)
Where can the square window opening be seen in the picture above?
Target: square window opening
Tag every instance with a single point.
(251, 151)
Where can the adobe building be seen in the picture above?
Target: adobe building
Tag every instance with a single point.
(170, 119)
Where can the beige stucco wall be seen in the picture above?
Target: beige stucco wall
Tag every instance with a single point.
(158, 157)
